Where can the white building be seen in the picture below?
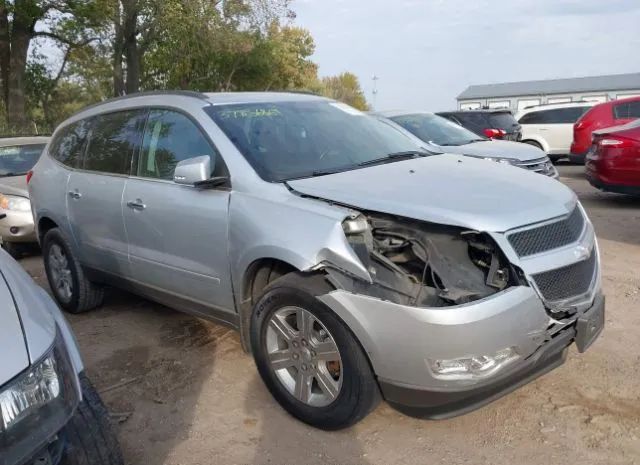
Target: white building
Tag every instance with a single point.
(519, 95)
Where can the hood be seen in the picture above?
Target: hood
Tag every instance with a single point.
(447, 189)
(14, 185)
(13, 345)
(497, 148)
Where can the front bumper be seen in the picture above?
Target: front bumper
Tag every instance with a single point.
(401, 341)
(17, 227)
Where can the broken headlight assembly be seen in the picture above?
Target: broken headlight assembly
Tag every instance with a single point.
(36, 404)
(424, 264)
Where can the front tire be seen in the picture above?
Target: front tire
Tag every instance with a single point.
(308, 358)
(90, 437)
(68, 282)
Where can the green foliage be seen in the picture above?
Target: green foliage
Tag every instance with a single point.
(346, 88)
(207, 45)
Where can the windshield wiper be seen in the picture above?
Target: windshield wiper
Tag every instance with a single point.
(395, 156)
(7, 175)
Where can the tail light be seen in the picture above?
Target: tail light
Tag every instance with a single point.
(615, 142)
(29, 175)
(495, 133)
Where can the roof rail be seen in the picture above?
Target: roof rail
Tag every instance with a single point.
(184, 93)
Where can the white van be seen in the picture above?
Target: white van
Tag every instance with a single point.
(550, 127)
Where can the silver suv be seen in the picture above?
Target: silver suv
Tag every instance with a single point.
(353, 262)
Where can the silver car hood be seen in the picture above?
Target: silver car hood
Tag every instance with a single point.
(497, 148)
(447, 189)
(13, 346)
(14, 185)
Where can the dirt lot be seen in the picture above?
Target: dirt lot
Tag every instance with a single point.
(182, 391)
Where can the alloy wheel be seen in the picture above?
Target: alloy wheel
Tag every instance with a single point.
(304, 356)
(60, 272)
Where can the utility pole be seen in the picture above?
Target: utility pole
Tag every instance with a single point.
(375, 91)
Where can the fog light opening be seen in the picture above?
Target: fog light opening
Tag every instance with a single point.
(14, 230)
(473, 367)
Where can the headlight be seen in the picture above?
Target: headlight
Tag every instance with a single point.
(15, 203)
(507, 161)
(36, 404)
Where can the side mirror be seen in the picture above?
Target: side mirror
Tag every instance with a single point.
(193, 170)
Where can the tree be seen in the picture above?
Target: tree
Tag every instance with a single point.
(346, 88)
(69, 23)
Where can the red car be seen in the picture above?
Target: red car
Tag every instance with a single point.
(604, 115)
(613, 163)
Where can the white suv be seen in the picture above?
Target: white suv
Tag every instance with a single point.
(550, 127)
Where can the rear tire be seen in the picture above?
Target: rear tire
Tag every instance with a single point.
(73, 292)
(354, 392)
(90, 437)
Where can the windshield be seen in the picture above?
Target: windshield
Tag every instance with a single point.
(433, 128)
(286, 140)
(18, 160)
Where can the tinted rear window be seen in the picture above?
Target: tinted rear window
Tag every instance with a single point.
(69, 142)
(627, 110)
(114, 138)
(502, 121)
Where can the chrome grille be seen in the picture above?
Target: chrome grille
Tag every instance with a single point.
(566, 282)
(548, 237)
(539, 165)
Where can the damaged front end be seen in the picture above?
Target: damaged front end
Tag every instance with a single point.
(424, 264)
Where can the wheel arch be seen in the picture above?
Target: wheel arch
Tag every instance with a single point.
(537, 140)
(45, 224)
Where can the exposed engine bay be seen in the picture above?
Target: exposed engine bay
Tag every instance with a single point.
(424, 264)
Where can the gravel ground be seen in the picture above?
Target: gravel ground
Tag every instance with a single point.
(182, 391)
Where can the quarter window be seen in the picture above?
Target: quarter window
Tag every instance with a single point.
(627, 110)
(114, 139)
(170, 137)
(69, 142)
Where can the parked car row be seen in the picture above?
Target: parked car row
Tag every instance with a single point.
(604, 135)
(360, 257)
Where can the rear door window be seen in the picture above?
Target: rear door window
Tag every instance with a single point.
(555, 116)
(170, 137)
(627, 110)
(114, 139)
(68, 145)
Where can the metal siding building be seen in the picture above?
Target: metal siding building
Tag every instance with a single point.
(519, 95)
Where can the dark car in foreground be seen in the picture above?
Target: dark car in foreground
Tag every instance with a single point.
(613, 163)
(452, 138)
(495, 124)
(50, 413)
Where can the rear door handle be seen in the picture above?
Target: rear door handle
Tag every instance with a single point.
(75, 194)
(136, 205)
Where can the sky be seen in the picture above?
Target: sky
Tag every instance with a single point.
(426, 52)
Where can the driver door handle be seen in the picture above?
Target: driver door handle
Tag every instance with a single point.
(75, 194)
(136, 205)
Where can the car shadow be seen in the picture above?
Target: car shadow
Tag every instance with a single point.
(285, 440)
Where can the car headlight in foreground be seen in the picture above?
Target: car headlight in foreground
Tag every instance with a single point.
(36, 404)
(507, 161)
(15, 203)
